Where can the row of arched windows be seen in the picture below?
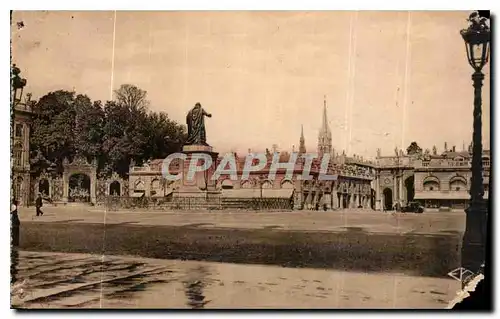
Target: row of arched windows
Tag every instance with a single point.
(457, 183)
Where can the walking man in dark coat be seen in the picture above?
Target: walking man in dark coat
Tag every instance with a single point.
(15, 223)
(38, 205)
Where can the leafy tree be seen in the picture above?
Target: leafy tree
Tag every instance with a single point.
(131, 96)
(115, 133)
(52, 136)
(89, 121)
(122, 137)
(164, 135)
(414, 149)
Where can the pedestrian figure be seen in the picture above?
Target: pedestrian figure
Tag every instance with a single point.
(38, 205)
(15, 223)
(398, 207)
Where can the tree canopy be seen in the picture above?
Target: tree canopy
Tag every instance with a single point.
(115, 133)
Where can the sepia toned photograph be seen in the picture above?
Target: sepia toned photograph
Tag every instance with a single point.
(249, 159)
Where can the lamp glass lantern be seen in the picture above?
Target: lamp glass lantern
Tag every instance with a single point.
(477, 44)
(17, 84)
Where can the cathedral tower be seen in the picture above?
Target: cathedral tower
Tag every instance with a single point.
(302, 143)
(325, 135)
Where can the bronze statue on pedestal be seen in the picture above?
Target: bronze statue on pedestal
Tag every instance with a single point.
(195, 121)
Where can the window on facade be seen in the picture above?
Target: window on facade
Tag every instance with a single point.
(139, 187)
(458, 185)
(19, 130)
(485, 188)
(155, 187)
(431, 185)
(227, 184)
(17, 158)
(486, 161)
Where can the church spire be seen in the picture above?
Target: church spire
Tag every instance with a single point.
(302, 144)
(325, 135)
(325, 126)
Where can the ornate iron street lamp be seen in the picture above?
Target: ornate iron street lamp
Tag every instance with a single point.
(17, 84)
(477, 44)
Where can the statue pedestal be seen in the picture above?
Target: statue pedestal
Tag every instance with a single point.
(198, 149)
(201, 185)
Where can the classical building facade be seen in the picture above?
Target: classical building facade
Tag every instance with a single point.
(394, 180)
(20, 161)
(351, 187)
(434, 180)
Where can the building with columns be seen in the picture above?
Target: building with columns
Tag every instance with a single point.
(20, 161)
(393, 173)
(434, 180)
(350, 189)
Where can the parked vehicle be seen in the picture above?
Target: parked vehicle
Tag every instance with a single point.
(412, 207)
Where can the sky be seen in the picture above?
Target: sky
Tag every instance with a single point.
(389, 78)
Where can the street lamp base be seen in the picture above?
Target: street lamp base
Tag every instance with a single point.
(474, 240)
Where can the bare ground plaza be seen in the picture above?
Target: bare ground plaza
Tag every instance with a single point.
(313, 221)
(102, 279)
(51, 280)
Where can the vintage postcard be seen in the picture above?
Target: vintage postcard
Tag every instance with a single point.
(249, 159)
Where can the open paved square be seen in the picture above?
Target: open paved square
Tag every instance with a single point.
(332, 221)
(52, 280)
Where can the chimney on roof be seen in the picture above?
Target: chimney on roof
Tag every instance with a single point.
(454, 148)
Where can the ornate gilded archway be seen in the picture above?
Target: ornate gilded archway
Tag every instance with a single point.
(43, 185)
(80, 165)
(115, 186)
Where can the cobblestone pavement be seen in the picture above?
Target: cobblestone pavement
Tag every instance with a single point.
(55, 280)
(367, 220)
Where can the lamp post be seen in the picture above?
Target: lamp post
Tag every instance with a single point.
(477, 45)
(17, 84)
